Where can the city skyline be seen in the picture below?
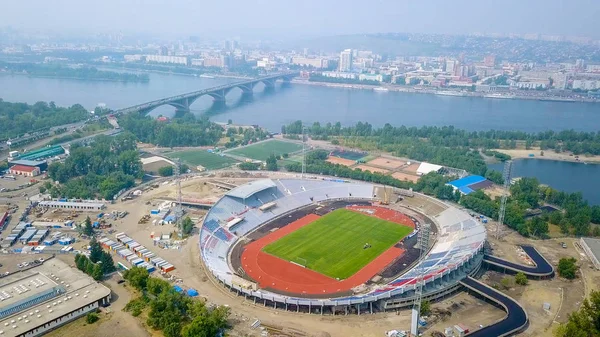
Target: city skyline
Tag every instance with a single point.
(334, 17)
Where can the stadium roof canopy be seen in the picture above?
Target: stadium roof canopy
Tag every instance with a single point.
(247, 190)
(425, 168)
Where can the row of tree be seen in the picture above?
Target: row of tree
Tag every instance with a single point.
(244, 136)
(101, 169)
(449, 136)
(185, 131)
(98, 264)
(175, 314)
(18, 119)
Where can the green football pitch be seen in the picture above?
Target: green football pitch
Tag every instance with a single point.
(211, 161)
(334, 245)
(262, 150)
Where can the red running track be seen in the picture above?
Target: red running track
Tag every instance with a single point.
(385, 214)
(278, 274)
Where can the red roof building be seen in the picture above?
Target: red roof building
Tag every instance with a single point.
(23, 170)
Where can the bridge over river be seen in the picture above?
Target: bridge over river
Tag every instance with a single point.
(182, 102)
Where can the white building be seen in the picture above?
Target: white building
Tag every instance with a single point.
(133, 58)
(345, 60)
(450, 66)
(586, 84)
(339, 74)
(372, 77)
(168, 59)
(318, 62)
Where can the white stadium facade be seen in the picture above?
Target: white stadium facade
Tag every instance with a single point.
(458, 250)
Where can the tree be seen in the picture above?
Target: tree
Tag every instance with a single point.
(95, 251)
(272, 163)
(584, 322)
(165, 171)
(87, 228)
(506, 282)
(157, 286)
(107, 262)
(137, 277)
(248, 166)
(425, 308)
(92, 318)
(206, 323)
(97, 272)
(187, 226)
(521, 279)
(567, 268)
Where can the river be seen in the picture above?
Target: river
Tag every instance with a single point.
(560, 175)
(313, 103)
(317, 103)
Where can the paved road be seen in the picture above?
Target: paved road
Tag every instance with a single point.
(541, 269)
(515, 320)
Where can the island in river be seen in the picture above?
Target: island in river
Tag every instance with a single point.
(70, 72)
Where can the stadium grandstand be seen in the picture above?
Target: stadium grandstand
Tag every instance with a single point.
(456, 253)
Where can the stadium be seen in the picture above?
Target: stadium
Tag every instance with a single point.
(331, 246)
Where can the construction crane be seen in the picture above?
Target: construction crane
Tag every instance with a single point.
(506, 175)
(178, 208)
(416, 310)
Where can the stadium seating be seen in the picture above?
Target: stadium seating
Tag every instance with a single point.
(459, 239)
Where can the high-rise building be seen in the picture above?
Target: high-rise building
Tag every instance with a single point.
(346, 60)
(580, 64)
(450, 66)
(163, 51)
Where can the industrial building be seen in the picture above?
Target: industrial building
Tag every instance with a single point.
(591, 247)
(470, 184)
(73, 206)
(26, 171)
(42, 165)
(46, 296)
(43, 153)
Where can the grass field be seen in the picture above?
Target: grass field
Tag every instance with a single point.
(263, 150)
(210, 161)
(333, 245)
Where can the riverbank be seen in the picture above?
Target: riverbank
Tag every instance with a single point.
(70, 78)
(550, 155)
(155, 71)
(447, 93)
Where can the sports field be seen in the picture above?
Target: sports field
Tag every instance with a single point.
(211, 161)
(262, 150)
(334, 245)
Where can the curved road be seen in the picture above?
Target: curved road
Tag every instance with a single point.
(515, 320)
(541, 269)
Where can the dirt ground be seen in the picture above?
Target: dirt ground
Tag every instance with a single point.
(387, 163)
(548, 154)
(373, 169)
(404, 176)
(412, 168)
(341, 161)
(563, 296)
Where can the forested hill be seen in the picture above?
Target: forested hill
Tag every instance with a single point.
(17, 119)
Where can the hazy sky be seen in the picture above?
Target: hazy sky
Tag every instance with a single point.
(278, 18)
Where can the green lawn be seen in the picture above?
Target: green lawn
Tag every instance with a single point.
(210, 161)
(262, 151)
(333, 245)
